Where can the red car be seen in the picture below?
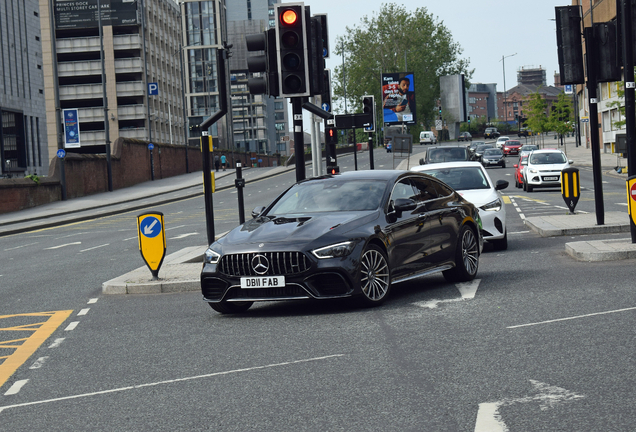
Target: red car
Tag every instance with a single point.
(523, 162)
(511, 147)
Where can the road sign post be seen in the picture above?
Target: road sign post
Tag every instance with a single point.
(152, 240)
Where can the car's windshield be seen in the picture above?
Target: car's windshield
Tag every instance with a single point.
(484, 147)
(511, 143)
(492, 152)
(547, 158)
(461, 178)
(330, 195)
(529, 148)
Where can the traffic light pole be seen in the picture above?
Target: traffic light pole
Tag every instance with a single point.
(299, 143)
(630, 110)
(371, 150)
(593, 102)
(355, 150)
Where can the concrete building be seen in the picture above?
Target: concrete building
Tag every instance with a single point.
(260, 122)
(531, 76)
(23, 129)
(129, 64)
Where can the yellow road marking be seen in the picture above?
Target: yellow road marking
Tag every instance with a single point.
(506, 199)
(25, 347)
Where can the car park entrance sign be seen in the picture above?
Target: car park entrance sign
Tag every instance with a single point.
(152, 240)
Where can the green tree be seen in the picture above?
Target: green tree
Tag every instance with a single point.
(537, 118)
(382, 44)
(560, 119)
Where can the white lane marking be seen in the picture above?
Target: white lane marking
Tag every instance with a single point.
(71, 326)
(15, 388)
(519, 232)
(571, 318)
(95, 247)
(57, 342)
(518, 209)
(132, 238)
(31, 244)
(64, 245)
(93, 300)
(488, 416)
(83, 311)
(39, 363)
(180, 236)
(139, 386)
(625, 204)
(180, 226)
(561, 207)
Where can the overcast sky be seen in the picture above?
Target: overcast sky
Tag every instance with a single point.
(485, 29)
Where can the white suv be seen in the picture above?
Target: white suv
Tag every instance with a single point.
(544, 169)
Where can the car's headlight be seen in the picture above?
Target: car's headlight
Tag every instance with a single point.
(532, 170)
(335, 250)
(493, 206)
(211, 257)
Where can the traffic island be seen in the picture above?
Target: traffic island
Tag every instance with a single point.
(602, 250)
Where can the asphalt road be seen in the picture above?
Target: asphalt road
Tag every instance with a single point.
(539, 342)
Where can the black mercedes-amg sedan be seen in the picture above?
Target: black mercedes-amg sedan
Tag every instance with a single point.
(344, 235)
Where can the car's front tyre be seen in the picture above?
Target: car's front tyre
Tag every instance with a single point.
(466, 257)
(231, 308)
(375, 276)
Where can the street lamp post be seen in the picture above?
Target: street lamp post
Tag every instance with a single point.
(503, 61)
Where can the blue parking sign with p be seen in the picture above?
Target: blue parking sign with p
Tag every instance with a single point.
(153, 89)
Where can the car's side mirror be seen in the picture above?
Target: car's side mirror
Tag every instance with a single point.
(501, 184)
(403, 204)
(422, 161)
(257, 211)
(515, 166)
(571, 162)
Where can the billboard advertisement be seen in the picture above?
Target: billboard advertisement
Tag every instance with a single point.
(70, 14)
(71, 128)
(398, 98)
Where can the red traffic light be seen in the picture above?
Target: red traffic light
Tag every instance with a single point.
(289, 17)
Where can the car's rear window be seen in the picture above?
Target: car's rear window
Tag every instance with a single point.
(461, 178)
(447, 155)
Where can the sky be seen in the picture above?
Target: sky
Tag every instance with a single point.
(485, 29)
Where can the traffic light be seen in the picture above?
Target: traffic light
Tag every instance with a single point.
(334, 169)
(324, 34)
(569, 48)
(606, 52)
(316, 62)
(368, 108)
(265, 64)
(331, 135)
(291, 49)
(468, 120)
(325, 96)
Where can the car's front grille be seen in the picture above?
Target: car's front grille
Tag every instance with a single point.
(213, 288)
(286, 292)
(273, 264)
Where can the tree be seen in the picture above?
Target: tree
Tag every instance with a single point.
(560, 119)
(382, 43)
(537, 118)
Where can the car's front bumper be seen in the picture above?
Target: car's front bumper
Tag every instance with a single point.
(493, 223)
(544, 179)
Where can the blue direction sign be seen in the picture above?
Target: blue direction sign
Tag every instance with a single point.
(152, 240)
(326, 107)
(61, 153)
(151, 146)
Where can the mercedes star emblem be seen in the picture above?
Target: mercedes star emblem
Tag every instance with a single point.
(260, 264)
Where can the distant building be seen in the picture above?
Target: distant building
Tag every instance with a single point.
(482, 101)
(516, 101)
(531, 76)
(259, 122)
(23, 129)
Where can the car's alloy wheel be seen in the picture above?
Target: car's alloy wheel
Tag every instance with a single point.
(375, 275)
(231, 308)
(466, 257)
